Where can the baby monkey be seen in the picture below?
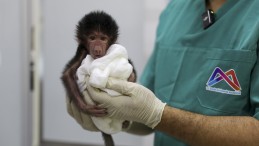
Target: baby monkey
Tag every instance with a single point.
(95, 33)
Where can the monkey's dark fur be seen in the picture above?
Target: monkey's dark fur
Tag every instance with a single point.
(94, 21)
(97, 21)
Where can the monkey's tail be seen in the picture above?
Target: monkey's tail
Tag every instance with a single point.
(108, 140)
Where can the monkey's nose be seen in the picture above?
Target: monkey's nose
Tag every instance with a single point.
(98, 50)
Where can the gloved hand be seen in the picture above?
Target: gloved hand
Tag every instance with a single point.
(83, 119)
(137, 103)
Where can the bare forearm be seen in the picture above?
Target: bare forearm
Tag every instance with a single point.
(196, 129)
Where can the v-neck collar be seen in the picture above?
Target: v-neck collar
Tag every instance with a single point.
(224, 8)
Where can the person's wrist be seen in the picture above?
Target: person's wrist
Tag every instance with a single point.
(157, 113)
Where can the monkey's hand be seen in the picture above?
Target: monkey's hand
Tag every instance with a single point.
(136, 103)
(83, 119)
(90, 109)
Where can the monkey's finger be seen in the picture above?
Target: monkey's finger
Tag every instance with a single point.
(96, 111)
(98, 114)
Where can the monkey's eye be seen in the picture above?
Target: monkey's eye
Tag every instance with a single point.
(104, 38)
(92, 37)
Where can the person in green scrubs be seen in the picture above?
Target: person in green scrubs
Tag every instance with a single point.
(204, 81)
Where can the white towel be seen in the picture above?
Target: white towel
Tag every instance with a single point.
(114, 64)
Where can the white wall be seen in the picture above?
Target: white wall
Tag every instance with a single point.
(14, 80)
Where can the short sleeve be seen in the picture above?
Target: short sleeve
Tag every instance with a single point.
(254, 89)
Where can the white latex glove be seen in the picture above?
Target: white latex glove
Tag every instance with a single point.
(136, 104)
(82, 118)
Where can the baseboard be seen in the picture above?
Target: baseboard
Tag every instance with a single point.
(51, 143)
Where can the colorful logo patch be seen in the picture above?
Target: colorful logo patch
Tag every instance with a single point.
(229, 77)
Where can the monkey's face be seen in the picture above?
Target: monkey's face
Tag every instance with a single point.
(97, 44)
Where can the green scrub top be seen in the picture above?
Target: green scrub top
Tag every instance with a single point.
(210, 72)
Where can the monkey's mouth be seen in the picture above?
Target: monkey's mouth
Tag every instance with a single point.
(97, 56)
